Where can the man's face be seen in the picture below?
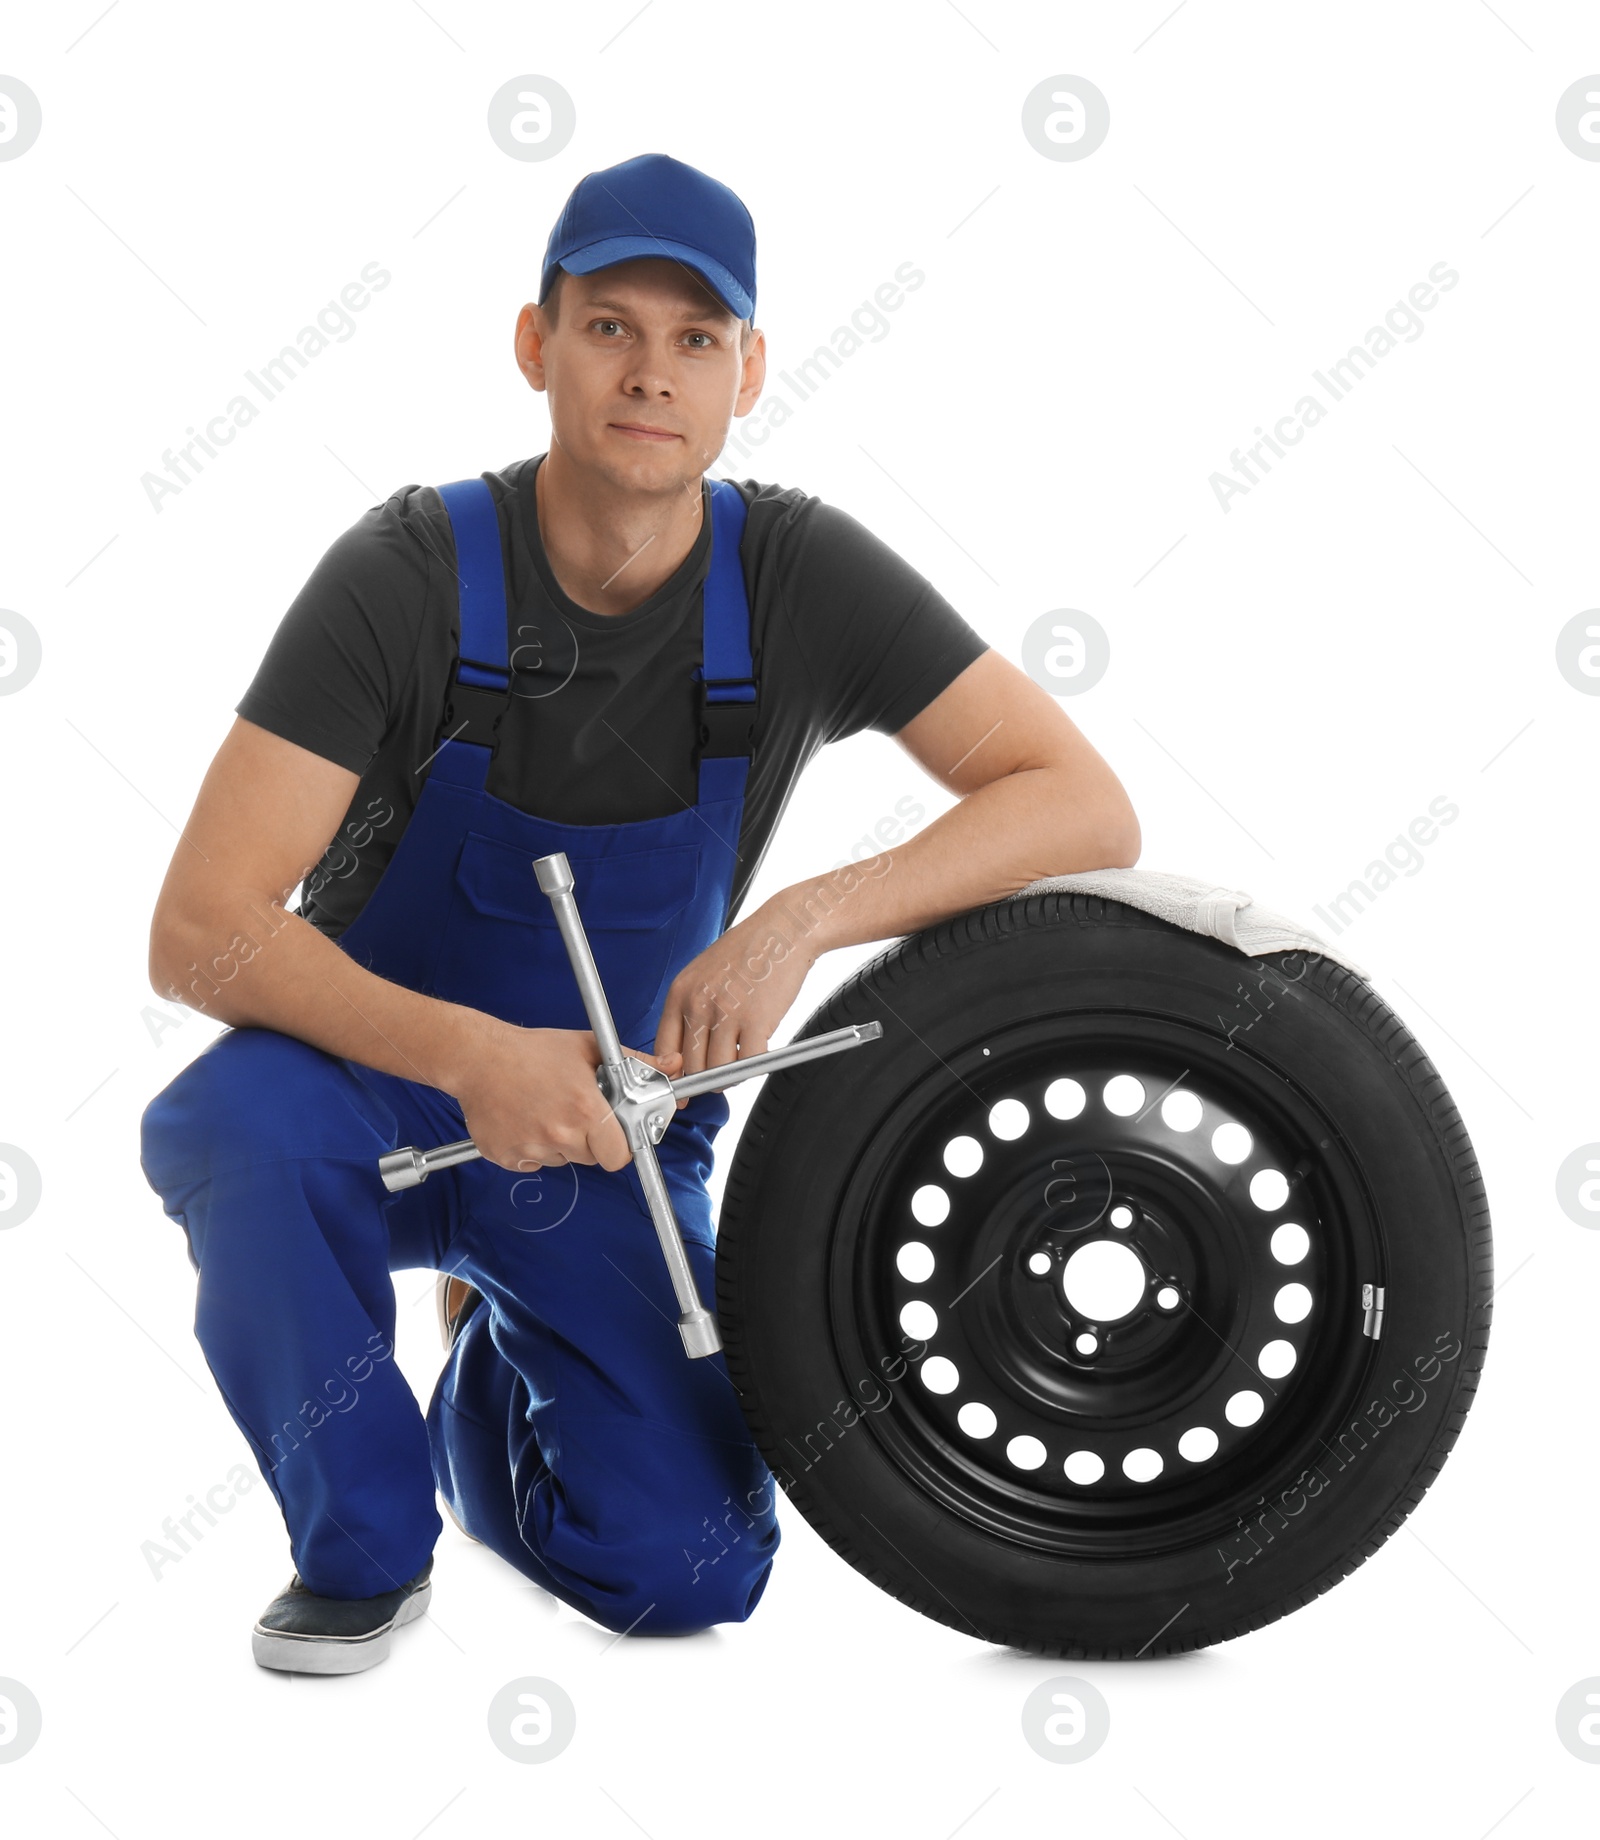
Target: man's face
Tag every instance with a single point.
(644, 372)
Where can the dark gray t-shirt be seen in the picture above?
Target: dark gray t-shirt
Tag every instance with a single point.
(601, 729)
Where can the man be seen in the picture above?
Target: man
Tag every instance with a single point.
(605, 652)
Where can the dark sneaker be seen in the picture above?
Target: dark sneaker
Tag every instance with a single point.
(302, 1633)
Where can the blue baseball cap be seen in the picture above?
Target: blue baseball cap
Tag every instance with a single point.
(657, 206)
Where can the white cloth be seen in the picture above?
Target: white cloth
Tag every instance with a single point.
(1201, 906)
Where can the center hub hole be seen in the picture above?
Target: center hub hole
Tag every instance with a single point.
(1104, 1280)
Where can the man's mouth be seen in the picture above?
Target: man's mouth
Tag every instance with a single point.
(642, 431)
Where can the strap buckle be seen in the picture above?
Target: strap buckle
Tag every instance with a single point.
(473, 712)
(727, 722)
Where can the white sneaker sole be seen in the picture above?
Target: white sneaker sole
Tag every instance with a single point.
(298, 1654)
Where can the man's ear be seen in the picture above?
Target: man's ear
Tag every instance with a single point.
(754, 377)
(532, 331)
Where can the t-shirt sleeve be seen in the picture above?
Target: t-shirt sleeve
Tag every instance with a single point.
(333, 673)
(881, 642)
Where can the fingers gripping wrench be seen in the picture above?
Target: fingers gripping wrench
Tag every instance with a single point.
(643, 1099)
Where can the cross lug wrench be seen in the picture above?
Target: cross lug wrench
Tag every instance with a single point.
(643, 1100)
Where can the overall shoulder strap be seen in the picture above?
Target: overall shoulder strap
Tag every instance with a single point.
(480, 680)
(728, 703)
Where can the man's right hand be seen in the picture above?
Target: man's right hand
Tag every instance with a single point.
(530, 1099)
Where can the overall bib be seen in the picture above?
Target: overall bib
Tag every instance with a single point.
(568, 1430)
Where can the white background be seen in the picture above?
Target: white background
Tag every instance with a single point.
(1372, 627)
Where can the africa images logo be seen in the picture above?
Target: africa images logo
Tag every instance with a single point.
(1401, 323)
(334, 324)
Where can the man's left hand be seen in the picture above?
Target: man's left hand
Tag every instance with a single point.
(726, 1004)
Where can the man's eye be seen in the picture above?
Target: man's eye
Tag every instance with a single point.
(609, 322)
(701, 335)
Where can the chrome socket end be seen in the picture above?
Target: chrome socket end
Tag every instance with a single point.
(406, 1168)
(554, 873)
(700, 1333)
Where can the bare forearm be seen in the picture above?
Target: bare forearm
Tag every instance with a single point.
(999, 838)
(250, 963)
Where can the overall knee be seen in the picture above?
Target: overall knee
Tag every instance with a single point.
(256, 1095)
(691, 1577)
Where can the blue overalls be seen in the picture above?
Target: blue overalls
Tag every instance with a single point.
(568, 1430)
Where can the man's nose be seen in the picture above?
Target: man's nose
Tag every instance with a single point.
(650, 372)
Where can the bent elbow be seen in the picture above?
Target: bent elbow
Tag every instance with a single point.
(1126, 844)
(161, 962)
(1117, 838)
(171, 954)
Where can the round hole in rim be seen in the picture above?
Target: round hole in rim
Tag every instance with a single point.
(1244, 1408)
(1008, 1119)
(963, 1156)
(1277, 1359)
(1269, 1189)
(977, 1419)
(920, 1321)
(1026, 1452)
(1123, 1095)
(1180, 1111)
(1231, 1143)
(1142, 1465)
(1084, 1467)
(1292, 1304)
(1290, 1243)
(939, 1375)
(1064, 1098)
(1197, 1444)
(914, 1262)
(930, 1205)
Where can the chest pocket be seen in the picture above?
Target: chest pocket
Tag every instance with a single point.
(503, 951)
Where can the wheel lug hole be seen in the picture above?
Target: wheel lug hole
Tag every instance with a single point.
(1087, 1343)
(1122, 1216)
(1167, 1297)
(1039, 1263)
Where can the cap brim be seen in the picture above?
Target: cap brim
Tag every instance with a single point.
(613, 249)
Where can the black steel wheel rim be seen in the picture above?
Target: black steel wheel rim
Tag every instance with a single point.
(995, 1281)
